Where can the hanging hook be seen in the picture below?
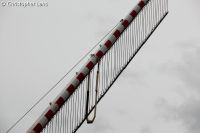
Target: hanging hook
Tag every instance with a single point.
(90, 121)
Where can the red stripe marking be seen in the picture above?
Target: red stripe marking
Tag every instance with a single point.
(108, 44)
(99, 54)
(38, 128)
(60, 101)
(90, 65)
(49, 114)
(133, 13)
(71, 89)
(125, 23)
(80, 77)
(117, 33)
(141, 4)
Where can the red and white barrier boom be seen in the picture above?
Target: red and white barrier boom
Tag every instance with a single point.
(62, 98)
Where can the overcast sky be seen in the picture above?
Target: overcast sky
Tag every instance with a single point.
(162, 84)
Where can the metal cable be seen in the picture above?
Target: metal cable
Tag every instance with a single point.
(61, 79)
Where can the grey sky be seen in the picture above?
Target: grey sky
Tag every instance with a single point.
(39, 45)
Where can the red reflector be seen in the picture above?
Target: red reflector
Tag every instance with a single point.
(71, 89)
(133, 13)
(38, 128)
(49, 115)
(117, 33)
(108, 44)
(125, 23)
(80, 77)
(60, 101)
(90, 65)
(99, 54)
(141, 4)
